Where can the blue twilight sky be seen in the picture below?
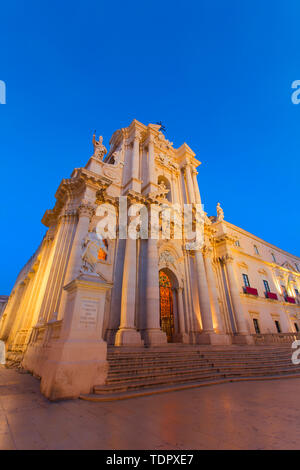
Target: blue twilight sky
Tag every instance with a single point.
(217, 73)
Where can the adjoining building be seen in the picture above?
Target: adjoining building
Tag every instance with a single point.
(80, 292)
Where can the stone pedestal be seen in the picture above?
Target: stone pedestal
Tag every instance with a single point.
(77, 360)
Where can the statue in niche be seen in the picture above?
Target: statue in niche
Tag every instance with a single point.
(220, 213)
(99, 149)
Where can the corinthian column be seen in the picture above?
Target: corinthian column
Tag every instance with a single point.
(205, 309)
(153, 333)
(235, 296)
(11, 312)
(196, 187)
(59, 256)
(217, 319)
(190, 184)
(127, 333)
(180, 311)
(85, 213)
(151, 162)
(135, 168)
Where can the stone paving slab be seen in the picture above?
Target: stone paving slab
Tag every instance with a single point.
(243, 415)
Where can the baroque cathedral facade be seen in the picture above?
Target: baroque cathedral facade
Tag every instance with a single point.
(81, 293)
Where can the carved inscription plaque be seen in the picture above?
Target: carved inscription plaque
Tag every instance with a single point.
(88, 314)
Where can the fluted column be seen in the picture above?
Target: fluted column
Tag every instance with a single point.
(59, 257)
(20, 312)
(11, 311)
(190, 184)
(196, 187)
(151, 161)
(205, 309)
(235, 295)
(39, 288)
(153, 333)
(28, 308)
(127, 333)
(135, 173)
(180, 310)
(85, 213)
(217, 319)
(134, 178)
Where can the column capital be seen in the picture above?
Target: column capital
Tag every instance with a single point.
(207, 250)
(86, 209)
(227, 258)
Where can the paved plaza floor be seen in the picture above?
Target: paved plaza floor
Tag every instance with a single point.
(247, 415)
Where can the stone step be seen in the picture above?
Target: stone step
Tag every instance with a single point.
(124, 395)
(185, 373)
(131, 371)
(196, 362)
(196, 377)
(160, 357)
(165, 370)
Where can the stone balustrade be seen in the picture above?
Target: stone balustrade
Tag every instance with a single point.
(271, 338)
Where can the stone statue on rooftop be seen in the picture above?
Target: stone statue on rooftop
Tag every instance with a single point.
(220, 213)
(99, 149)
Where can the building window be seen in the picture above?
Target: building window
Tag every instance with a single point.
(273, 256)
(296, 291)
(237, 243)
(267, 287)
(297, 267)
(296, 327)
(256, 326)
(283, 290)
(256, 250)
(277, 324)
(246, 280)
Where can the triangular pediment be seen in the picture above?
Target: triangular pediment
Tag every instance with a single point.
(289, 266)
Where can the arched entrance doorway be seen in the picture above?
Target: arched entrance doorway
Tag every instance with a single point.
(166, 305)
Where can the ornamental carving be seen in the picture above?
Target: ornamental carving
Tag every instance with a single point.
(167, 162)
(86, 210)
(166, 258)
(161, 192)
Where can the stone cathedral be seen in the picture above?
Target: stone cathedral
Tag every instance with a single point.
(80, 294)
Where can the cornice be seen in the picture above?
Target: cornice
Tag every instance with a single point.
(260, 240)
(261, 260)
(72, 187)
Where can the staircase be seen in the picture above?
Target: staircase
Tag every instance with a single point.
(140, 372)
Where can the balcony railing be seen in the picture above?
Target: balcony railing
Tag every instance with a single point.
(271, 295)
(250, 290)
(271, 338)
(290, 300)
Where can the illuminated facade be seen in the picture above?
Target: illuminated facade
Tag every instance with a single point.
(79, 293)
